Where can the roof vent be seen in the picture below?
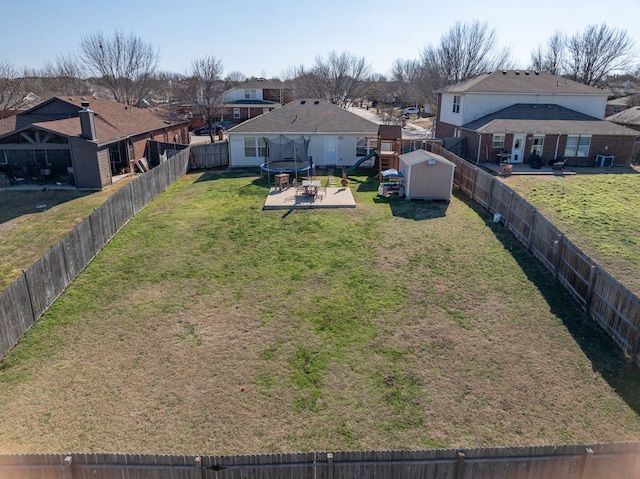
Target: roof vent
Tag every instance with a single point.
(504, 72)
(517, 72)
(317, 102)
(302, 102)
(526, 72)
(537, 72)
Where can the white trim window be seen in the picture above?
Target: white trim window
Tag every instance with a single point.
(577, 146)
(3, 158)
(255, 147)
(236, 113)
(537, 142)
(362, 146)
(457, 100)
(498, 141)
(250, 94)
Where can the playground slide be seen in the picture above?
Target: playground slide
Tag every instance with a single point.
(360, 161)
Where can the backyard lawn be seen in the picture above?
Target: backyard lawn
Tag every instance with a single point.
(598, 212)
(209, 326)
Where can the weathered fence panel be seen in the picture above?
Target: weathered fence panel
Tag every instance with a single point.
(520, 218)
(500, 201)
(79, 248)
(47, 279)
(575, 271)
(483, 188)
(16, 314)
(617, 311)
(212, 155)
(610, 461)
(544, 242)
(30, 295)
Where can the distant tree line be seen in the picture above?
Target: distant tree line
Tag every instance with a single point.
(127, 68)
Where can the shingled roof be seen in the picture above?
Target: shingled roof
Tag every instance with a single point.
(522, 81)
(305, 116)
(545, 118)
(113, 120)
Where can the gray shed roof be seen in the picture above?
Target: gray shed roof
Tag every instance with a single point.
(522, 81)
(420, 156)
(305, 116)
(545, 118)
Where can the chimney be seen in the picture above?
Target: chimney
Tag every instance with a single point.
(87, 122)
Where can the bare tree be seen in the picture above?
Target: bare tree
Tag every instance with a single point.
(588, 57)
(234, 78)
(466, 50)
(207, 88)
(552, 58)
(11, 93)
(123, 61)
(597, 52)
(340, 79)
(65, 76)
(406, 74)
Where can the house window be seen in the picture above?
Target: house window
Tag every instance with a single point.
(456, 103)
(3, 158)
(236, 113)
(250, 94)
(536, 145)
(362, 146)
(498, 141)
(577, 146)
(254, 147)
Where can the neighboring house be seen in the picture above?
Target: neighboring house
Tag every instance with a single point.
(616, 105)
(336, 136)
(83, 140)
(629, 118)
(521, 113)
(253, 98)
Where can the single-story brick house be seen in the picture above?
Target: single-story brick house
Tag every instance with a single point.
(84, 140)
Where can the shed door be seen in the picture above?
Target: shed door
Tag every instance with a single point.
(517, 151)
(330, 150)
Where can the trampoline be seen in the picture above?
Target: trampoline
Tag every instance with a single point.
(285, 166)
(285, 155)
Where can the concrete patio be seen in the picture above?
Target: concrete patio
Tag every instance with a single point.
(290, 198)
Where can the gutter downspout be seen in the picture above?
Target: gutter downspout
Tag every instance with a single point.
(555, 156)
(479, 148)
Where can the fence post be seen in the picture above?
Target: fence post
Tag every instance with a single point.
(556, 255)
(589, 295)
(532, 225)
(33, 310)
(330, 465)
(507, 218)
(68, 464)
(197, 465)
(586, 462)
(460, 465)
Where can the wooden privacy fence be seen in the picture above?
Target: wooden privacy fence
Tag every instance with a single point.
(27, 298)
(611, 461)
(614, 307)
(210, 155)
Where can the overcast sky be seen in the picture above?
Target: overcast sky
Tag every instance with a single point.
(265, 38)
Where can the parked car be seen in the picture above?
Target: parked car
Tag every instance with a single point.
(206, 129)
(426, 112)
(412, 110)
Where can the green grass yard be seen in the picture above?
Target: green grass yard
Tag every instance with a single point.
(392, 325)
(598, 212)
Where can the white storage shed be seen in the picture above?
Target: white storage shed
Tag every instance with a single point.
(427, 176)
